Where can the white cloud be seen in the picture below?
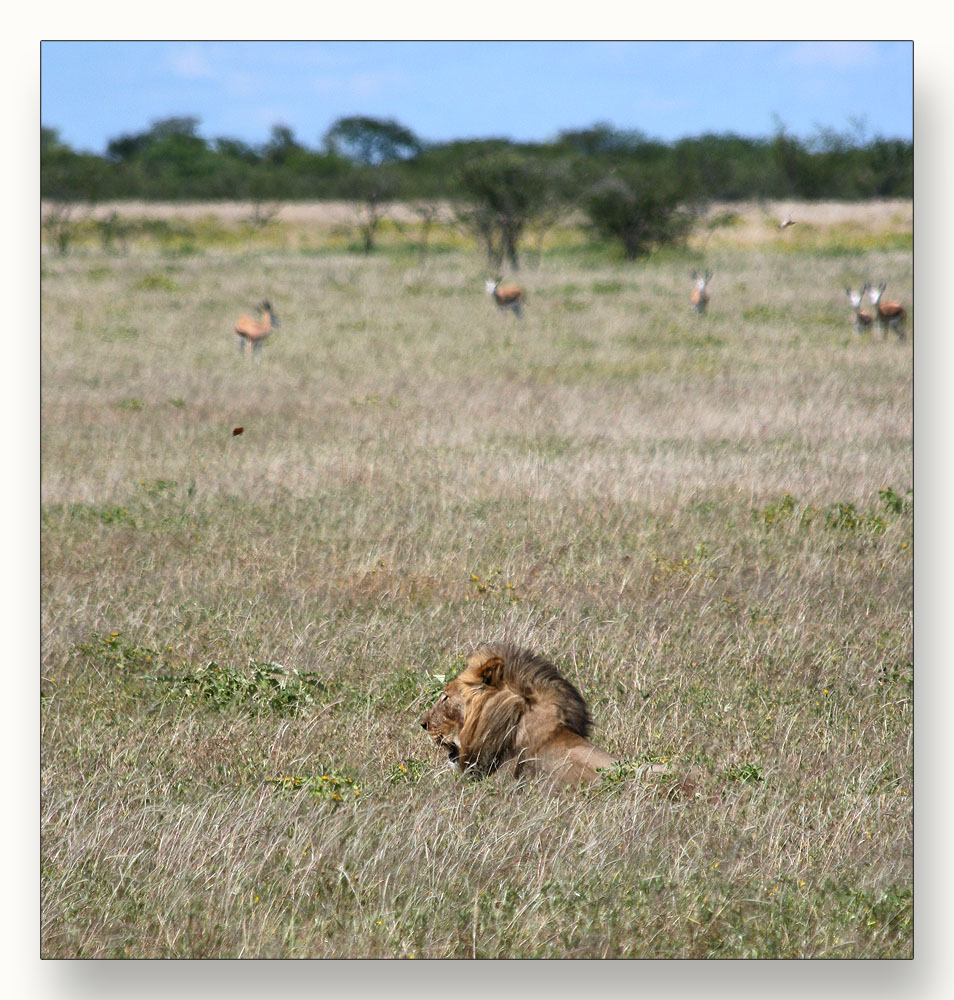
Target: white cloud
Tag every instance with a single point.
(361, 86)
(831, 55)
(189, 62)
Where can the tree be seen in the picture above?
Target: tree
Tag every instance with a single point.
(371, 141)
(281, 145)
(486, 178)
(50, 142)
(429, 213)
(601, 139)
(235, 149)
(132, 145)
(641, 214)
(371, 189)
(171, 160)
(67, 181)
(501, 194)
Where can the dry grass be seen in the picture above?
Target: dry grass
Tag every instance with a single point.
(704, 521)
(315, 227)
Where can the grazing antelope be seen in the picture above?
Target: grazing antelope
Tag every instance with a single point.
(254, 331)
(862, 319)
(700, 297)
(890, 314)
(506, 296)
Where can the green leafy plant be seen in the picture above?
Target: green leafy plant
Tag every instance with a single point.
(108, 513)
(846, 517)
(409, 771)
(156, 487)
(268, 687)
(117, 652)
(329, 786)
(780, 511)
(896, 503)
(492, 584)
(630, 769)
(743, 773)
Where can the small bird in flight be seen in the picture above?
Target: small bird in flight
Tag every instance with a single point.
(786, 222)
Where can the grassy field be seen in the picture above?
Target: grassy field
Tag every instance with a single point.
(706, 522)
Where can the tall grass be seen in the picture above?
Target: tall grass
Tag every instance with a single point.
(706, 522)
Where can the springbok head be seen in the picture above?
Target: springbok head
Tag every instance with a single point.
(856, 298)
(700, 296)
(266, 307)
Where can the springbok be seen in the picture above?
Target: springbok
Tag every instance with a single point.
(700, 297)
(890, 314)
(862, 319)
(254, 331)
(506, 296)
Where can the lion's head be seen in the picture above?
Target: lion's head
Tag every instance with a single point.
(443, 721)
(505, 702)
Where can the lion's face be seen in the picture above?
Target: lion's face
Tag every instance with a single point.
(475, 717)
(444, 720)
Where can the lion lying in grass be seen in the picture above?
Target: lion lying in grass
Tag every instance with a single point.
(511, 709)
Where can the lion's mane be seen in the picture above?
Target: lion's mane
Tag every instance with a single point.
(521, 681)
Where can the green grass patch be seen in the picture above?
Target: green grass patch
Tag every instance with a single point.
(330, 785)
(156, 283)
(261, 687)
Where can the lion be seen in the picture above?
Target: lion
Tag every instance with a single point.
(510, 708)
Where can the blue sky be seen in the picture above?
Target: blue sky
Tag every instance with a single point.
(95, 91)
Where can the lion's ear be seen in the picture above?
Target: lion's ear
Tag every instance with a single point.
(490, 670)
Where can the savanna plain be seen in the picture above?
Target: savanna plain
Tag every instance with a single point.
(705, 522)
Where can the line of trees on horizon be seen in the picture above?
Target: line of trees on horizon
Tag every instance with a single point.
(171, 161)
(638, 191)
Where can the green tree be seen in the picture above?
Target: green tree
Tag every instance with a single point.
(601, 139)
(70, 184)
(50, 142)
(642, 214)
(726, 167)
(796, 164)
(235, 149)
(171, 160)
(281, 146)
(66, 175)
(371, 141)
(371, 189)
(500, 195)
